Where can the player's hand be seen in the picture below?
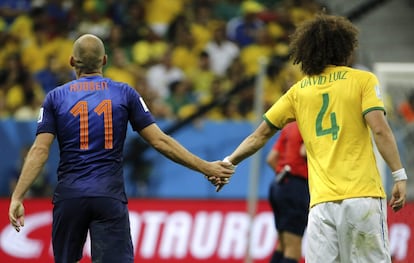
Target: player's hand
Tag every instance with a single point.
(218, 181)
(220, 185)
(16, 214)
(398, 195)
(219, 173)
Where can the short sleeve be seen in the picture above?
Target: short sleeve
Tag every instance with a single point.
(282, 111)
(371, 95)
(46, 122)
(139, 114)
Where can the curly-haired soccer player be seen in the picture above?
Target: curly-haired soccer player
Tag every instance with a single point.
(338, 110)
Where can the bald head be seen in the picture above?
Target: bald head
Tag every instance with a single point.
(88, 54)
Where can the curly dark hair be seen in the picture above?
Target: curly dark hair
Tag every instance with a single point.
(322, 41)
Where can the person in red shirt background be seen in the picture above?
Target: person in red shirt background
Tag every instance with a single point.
(289, 194)
(406, 109)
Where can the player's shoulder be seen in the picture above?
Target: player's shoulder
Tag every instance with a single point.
(295, 86)
(60, 90)
(360, 72)
(117, 84)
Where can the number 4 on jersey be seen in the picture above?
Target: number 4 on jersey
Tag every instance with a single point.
(334, 129)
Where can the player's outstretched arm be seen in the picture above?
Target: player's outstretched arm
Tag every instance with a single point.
(250, 145)
(215, 172)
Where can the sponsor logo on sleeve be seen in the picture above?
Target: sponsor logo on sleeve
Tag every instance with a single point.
(143, 104)
(378, 92)
(40, 117)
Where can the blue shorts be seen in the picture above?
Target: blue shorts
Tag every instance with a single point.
(290, 204)
(107, 221)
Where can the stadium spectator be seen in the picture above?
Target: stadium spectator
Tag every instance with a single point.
(219, 88)
(262, 48)
(61, 44)
(53, 75)
(300, 11)
(93, 20)
(122, 69)
(243, 29)
(202, 24)
(114, 41)
(162, 74)
(17, 84)
(134, 24)
(159, 14)
(36, 50)
(280, 76)
(89, 196)
(29, 110)
(180, 96)
(221, 51)
(179, 26)
(10, 44)
(10, 9)
(23, 25)
(201, 77)
(337, 109)
(150, 50)
(245, 97)
(184, 53)
(289, 193)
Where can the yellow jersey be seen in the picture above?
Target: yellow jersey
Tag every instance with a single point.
(329, 109)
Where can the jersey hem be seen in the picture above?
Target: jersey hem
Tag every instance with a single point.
(372, 109)
(344, 198)
(269, 123)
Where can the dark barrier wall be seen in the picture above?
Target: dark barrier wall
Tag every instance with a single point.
(148, 173)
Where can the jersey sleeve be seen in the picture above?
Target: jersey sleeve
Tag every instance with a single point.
(371, 95)
(139, 114)
(46, 122)
(282, 111)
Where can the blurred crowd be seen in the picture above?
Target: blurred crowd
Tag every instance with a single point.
(178, 54)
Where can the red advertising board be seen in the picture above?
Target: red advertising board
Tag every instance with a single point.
(182, 231)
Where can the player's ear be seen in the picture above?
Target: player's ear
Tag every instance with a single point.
(72, 61)
(104, 60)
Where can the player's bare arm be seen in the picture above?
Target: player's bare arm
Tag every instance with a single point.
(384, 138)
(252, 143)
(176, 152)
(248, 147)
(33, 165)
(385, 141)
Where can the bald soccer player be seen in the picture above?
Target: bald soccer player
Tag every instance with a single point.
(89, 117)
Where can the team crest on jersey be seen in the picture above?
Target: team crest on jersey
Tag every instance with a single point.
(40, 117)
(378, 92)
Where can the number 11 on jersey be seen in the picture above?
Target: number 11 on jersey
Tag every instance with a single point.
(81, 109)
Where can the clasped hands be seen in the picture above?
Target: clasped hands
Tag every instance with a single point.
(221, 176)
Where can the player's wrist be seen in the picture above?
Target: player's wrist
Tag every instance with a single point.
(227, 160)
(399, 175)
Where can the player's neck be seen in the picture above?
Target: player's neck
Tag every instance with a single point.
(92, 74)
